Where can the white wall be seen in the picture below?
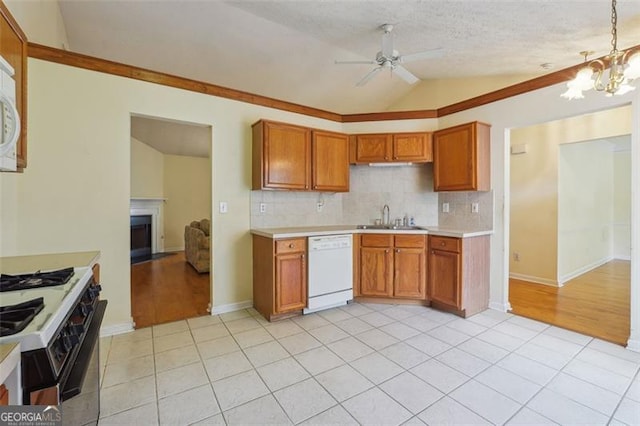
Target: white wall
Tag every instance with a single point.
(585, 207)
(622, 200)
(534, 188)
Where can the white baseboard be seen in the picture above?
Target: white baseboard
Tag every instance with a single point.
(633, 345)
(173, 249)
(499, 306)
(231, 307)
(112, 330)
(533, 279)
(622, 258)
(583, 270)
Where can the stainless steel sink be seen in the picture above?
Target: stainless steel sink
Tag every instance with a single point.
(391, 227)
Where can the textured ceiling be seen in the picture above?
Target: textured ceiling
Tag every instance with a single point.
(172, 137)
(286, 49)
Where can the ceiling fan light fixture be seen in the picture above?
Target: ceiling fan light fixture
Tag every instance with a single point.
(623, 66)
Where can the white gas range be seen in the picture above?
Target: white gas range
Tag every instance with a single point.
(55, 315)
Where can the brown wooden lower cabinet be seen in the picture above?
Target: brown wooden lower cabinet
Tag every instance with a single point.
(459, 274)
(4, 395)
(393, 266)
(279, 276)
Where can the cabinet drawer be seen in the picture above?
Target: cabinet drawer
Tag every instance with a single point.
(409, 241)
(376, 240)
(445, 243)
(291, 246)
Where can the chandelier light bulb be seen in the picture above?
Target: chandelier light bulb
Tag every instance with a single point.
(622, 66)
(633, 67)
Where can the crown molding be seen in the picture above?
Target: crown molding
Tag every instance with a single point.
(51, 54)
(78, 60)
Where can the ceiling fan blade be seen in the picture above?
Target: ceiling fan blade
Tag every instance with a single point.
(355, 62)
(433, 53)
(369, 76)
(404, 74)
(387, 42)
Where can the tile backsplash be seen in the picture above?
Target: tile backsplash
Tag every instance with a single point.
(407, 190)
(460, 214)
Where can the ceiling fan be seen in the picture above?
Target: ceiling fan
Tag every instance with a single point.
(389, 58)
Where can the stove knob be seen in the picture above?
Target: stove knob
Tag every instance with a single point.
(76, 329)
(74, 338)
(58, 351)
(87, 308)
(67, 343)
(94, 291)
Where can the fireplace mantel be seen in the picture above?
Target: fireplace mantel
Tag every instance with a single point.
(154, 208)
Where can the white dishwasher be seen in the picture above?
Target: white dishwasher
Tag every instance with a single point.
(330, 272)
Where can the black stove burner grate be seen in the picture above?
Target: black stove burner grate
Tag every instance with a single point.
(35, 280)
(14, 318)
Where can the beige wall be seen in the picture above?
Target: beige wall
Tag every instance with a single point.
(432, 94)
(41, 21)
(187, 188)
(147, 171)
(79, 165)
(534, 187)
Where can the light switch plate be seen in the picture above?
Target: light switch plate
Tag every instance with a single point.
(445, 207)
(223, 207)
(475, 207)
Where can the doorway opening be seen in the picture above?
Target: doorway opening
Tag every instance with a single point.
(170, 191)
(570, 224)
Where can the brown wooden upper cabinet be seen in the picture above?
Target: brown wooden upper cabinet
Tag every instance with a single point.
(391, 147)
(461, 158)
(290, 157)
(13, 48)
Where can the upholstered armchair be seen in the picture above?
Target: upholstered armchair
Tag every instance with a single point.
(197, 243)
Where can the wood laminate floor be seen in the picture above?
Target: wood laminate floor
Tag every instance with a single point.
(167, 289)
(595, 303)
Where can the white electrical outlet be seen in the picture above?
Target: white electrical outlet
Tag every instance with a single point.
(445, 207)
(263, 207)
(474, 207)
(516, 256)
(223, 207)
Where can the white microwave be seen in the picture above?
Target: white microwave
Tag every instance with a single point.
(9, 118)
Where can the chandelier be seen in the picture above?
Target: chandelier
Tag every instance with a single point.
(624, 67)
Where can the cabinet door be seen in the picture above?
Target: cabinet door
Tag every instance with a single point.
(444, 277)
(286, 156)
(4, 395)
(13, 48)
(455, 159)
(291, 282)
(376, 271)
(410, 279)
(415, 147)
(372, 148)
(330, 161)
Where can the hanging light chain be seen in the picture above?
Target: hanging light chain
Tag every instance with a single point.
(614, 25)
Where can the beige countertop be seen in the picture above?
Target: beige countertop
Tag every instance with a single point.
(314, 231)
(9, 359)
(32, 263)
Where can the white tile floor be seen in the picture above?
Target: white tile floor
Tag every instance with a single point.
(366, 364)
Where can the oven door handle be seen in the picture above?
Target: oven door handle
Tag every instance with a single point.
(75, 380)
